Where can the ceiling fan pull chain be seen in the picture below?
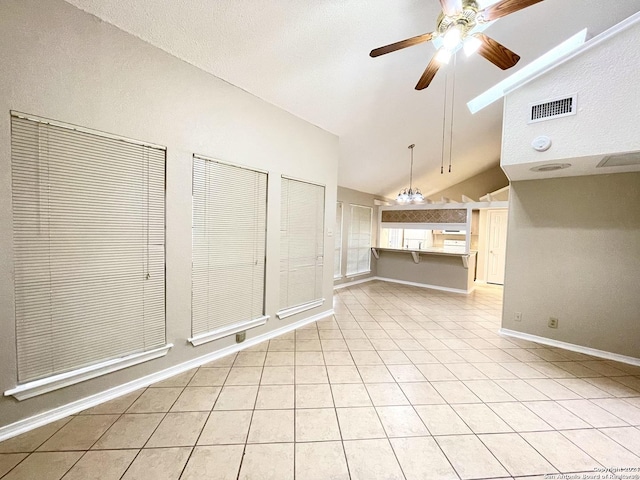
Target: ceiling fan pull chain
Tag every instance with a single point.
(444, 122)
(453, 100)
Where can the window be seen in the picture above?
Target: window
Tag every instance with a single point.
(88, 223)
(413, 238)
(391, 237)
(301, 246)
(337, 249)
(359, 241)
(229, 235)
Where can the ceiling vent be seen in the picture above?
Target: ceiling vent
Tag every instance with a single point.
(550, 167)
(559, 107)
(620, 160)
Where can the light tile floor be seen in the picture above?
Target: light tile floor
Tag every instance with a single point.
(404, 383)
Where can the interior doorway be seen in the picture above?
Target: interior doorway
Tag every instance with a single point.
(497, 246)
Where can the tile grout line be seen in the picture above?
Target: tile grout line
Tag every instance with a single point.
(335, 411)
(28, 454)
(154, 430)
(295, 416)
(403, 319)
(193, 448)
(253, 410)
(382, 424)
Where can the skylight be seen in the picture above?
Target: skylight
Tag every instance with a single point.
(499, 90)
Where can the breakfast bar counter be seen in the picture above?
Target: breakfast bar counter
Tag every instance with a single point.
(442, 268)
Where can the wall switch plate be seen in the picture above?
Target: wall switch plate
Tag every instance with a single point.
(553, 322)
(240, 337)
(518, 316)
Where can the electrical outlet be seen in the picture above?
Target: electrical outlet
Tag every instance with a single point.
(553, 322)
(518, 316)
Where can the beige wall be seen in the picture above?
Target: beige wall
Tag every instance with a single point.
(61, 63)
(432, 270)
(573, 252)
(354, 197)
(475, 187)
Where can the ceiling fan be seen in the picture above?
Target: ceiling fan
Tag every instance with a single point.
(460, 25)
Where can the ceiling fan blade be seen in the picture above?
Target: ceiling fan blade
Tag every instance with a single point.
(451, 7)
(409, 42)
(503, 8)
(428, 74)
(496, 53)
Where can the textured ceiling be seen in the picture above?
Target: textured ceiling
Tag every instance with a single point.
(310, 57)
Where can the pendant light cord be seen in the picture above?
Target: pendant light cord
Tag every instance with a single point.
(411, 170)
(453, 99)
(444, 123)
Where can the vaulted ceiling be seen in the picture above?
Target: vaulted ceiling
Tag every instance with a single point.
(310, 57)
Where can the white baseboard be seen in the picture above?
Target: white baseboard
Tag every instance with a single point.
(57, 413)
(425, 285)
(227, 331)
(570, 346)
(403, 282)
(355, 282)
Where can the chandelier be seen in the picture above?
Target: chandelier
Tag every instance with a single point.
(409, 195)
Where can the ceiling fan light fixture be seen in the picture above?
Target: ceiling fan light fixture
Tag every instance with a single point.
(458, 21)
(471, 45)
(443, 56)
(452, 38)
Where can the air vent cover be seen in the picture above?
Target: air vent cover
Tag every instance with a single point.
(620, 160)
(559, 107)
(550, 167)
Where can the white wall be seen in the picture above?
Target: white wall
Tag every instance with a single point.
(605, 78)
(61, 63)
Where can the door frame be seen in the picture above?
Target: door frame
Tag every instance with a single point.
(488, 242)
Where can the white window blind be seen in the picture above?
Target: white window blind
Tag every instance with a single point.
(229, 235)
(337, 249)
(359, 240)
(88, 223)
(301, 243)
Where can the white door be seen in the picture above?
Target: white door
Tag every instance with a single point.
(497, 246)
